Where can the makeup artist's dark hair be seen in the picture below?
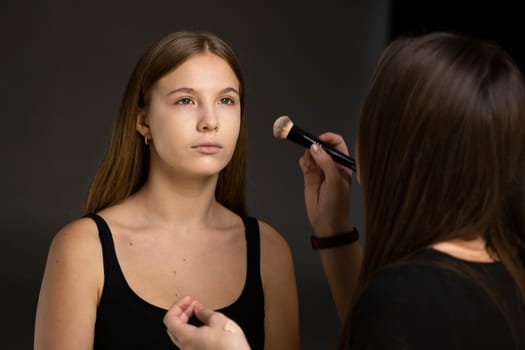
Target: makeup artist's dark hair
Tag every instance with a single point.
(441, 149)
(125, 167)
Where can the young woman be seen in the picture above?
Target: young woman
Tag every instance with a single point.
(441, 161)
(165, 217)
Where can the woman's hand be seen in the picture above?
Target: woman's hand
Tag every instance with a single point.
(326, 187)
(218, 331)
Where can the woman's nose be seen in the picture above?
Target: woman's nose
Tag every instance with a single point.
(208, 121)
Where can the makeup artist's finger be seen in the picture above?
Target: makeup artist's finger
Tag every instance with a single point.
(336, 141)
(306, 162)
(325, 162)
(312, 175)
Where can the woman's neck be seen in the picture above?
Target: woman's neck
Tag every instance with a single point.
(470, 250)
(170, 201)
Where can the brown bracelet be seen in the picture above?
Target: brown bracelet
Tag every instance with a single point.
(337, 240)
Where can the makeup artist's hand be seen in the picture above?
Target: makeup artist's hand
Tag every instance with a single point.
(326, 187)
(217, 333)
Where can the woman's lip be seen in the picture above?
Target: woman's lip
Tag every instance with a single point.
(207, 148)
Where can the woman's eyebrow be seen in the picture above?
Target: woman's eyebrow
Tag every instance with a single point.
(190, 90)
(182, 89)
(229, 89)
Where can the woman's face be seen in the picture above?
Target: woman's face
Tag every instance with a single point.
(193, 116)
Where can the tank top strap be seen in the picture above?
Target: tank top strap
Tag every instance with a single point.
(109, 256)
(253, 249)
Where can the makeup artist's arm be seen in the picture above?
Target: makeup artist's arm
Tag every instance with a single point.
(327, 195)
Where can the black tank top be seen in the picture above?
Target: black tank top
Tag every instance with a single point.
(126, 321)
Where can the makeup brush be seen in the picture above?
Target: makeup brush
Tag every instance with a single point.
(284, 128)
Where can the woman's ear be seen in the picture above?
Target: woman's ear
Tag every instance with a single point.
(142, 124)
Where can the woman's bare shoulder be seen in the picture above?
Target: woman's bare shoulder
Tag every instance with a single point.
(77, 239)
(274, 246)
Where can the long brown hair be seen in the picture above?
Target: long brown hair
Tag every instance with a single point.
(442, 152)
(125, 167)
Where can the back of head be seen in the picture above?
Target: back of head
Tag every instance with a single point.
(125, 167)
(442, 150)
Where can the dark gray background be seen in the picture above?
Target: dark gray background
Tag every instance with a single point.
(66, 66)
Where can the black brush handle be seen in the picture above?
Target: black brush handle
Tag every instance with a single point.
(304, 139)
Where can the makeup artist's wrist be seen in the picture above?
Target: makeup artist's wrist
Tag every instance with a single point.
(332, 230)
(336, 240)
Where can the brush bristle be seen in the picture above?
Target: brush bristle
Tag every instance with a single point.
(282, 126)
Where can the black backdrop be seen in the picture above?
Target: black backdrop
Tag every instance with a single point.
(498, 21)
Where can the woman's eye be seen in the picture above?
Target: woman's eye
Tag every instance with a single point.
(185, 101)
(227, 101)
